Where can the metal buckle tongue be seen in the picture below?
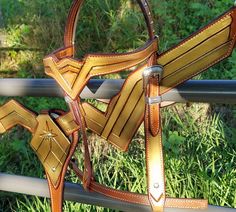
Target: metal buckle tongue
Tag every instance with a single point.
(156, 72)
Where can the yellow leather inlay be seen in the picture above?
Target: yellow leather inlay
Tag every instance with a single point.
(67, 123)
(195, 67)
(93, 65)
(12, 114)
(128, 108)
(123, 140)
(124, 96)
(195, 40)
(51, 147)
(209, 45)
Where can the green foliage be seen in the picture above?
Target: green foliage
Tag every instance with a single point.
(199, 141)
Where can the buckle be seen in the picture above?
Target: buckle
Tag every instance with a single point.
(152, 71)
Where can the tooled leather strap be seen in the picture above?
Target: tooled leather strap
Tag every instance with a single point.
(70, 29)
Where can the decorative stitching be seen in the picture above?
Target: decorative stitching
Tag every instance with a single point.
(200, 32)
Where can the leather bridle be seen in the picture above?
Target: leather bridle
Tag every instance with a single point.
(55, 133)
(160, 74)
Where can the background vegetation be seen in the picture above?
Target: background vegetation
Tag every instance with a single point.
(199, 140)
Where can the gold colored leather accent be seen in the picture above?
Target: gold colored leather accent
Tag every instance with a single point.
(124, 114)
(73, 75)
(67, 123)
(198, 52)
(194, 67)
(12, 114)
(195, 40)
(195, 54)
(51, 147)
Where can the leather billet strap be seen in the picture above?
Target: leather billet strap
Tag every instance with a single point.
(153, 139)
(69, 36)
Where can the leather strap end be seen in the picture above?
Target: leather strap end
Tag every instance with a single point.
(157, 205)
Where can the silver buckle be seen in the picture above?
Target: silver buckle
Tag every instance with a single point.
(152, 71)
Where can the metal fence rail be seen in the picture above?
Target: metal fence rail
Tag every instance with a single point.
(214, 91)
(75, 192)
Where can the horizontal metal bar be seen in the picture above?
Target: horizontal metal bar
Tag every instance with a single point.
(214, 91)
(76, 193)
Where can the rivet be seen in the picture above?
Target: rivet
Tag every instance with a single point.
(156, 185)
(53, 169)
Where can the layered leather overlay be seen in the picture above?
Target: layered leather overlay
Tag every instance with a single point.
(48, 141)
(12, 114)
(51, 146)
(193, 55)
(198, 52)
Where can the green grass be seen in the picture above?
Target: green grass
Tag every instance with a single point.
(199, 141)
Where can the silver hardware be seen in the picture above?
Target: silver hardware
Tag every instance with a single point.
(53, 169)
(156, 185)
(152, 71)
(153, 100)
